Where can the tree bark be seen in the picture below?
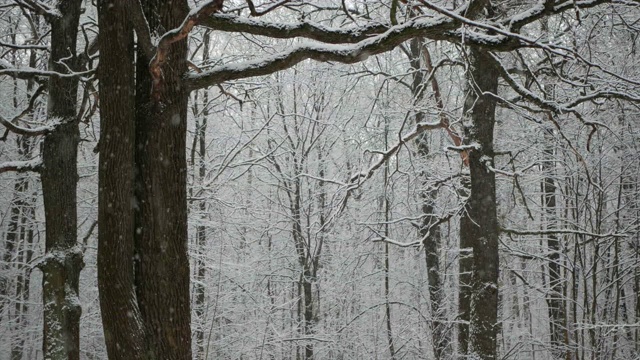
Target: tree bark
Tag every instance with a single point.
(162, 274)
(479, 225)
(123, 327)
(63, 258)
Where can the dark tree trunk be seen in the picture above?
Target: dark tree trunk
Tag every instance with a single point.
(143, 262)
(123, 327)
(162, 273)
(479, 226)
(63, 258)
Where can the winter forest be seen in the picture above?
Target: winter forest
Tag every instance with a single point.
(329, 179)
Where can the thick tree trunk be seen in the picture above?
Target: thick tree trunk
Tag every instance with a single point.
(63, 258)
(123, 327)
(479, 225)
(143, 262)
(162, 274)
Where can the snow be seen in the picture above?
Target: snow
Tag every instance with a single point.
(20, 165)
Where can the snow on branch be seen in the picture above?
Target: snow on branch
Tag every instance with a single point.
(11, 126)
(21, 166)
(384, 156)
(24, 47)
(354, 45)
(254, 12)
(304, 29)
(26, 73)
(41, 130)
(347, 54)
(39, 8)
(563, 231)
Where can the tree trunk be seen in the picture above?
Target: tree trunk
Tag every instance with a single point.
(63, 262)
(162, 274)
(479, 225)
(143, 261)
(123, 327)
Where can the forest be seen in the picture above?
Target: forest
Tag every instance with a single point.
(328, 179)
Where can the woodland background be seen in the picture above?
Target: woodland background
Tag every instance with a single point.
(325, 202)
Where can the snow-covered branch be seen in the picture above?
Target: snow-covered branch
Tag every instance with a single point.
(304, 29)
(26, 73)
(355, 45)
(384, 156)
(21, 166)
(348, 54)
(41, 130)
(11, 126)
(561, 231)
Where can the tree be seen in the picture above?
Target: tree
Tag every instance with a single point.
(59, 174)
(62, 262)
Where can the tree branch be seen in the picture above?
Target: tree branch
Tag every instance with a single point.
(11, 126)
(254, 12)
(442, 27)
(27, 73)
(175, 35)
(348, 54)
(21, 166)
(39, 8)
(418, 129)
(24, 47)
(141, 26)
(305, 29)
(561, 231)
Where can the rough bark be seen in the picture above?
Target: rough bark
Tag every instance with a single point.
(63, 259)
(162, 273)
(123, 326)
(479, 226)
